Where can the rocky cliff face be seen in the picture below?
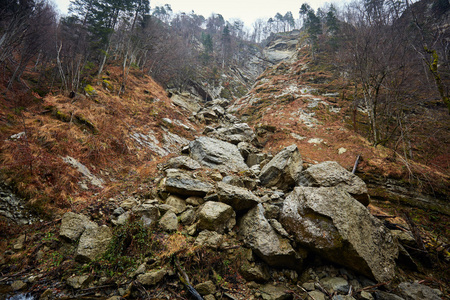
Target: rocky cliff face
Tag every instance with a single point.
(265, 209)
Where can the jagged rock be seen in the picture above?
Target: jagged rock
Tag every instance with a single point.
(169, 221)
(73, 225)
(216, 216)
(278, 227)
(254, 272)
(330, 222)
(177, 203)
(92, 179)
(235, 134)
(245, 149)
(272, 292)
(93, 242)
(342, 297)
(206, 288)
(331, 173)
(149, 214)
(188, 216)
(210, 239)
(78, 282)
(216, 154)
(417, 291)
(238, 198)
(186, 186)
(258, 235)
(182, 162)
(283, 171)
(152, 277)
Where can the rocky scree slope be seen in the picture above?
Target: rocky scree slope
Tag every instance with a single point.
(241, 223)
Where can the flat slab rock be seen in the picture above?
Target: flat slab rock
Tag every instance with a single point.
(217, 154)
(330, 222)
(331, 173)
(183, 185)
(239, 198)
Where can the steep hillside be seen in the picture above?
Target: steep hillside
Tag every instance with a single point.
(115, 139)
(309, 103)
(163, 195)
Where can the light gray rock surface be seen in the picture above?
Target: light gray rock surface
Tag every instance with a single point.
(283, 171)
(417, 291)
(210, 239)
(93, 242)
(331, 173)
(186, 186)
(73, 225)
(152, 277)
(169, 221)
(330, 222)
(217, 154)
(177, 203)
(239, 198)
(257, 234)
(216, 216)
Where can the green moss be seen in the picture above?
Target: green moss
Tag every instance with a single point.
(89, 90)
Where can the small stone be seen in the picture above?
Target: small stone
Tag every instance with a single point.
(169, 221)
(19, 244)
(206, 288)
(335, 284)
(209, 239)
(188, 216)
(46, 295)
(209, 297)
(18, 285)
(316, 295)
(152, 277)
(366, 295)
(129, 203)
(195, 201)
(341, 150)
(78, 282)
(309, 286)
(177, 203)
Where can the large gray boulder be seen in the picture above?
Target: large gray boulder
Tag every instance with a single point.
(283, 171)
(257, 234)
(239, 198)
(330, 222)
(73, 225)
(216, 216)
(93, 242)
(331, 173)
(217, 154)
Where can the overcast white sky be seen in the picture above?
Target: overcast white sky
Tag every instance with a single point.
(246, 10)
